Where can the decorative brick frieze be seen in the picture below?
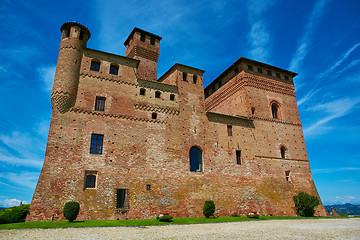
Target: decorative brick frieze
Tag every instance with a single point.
(283, 159)
(152, 108)
(113, 115)
(157, 86)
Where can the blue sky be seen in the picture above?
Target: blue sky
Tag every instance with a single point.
(320, 40)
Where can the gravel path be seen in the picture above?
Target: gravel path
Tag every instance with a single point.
(271, 229)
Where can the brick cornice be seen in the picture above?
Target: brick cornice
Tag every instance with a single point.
(235, 85)
(285, 159)
(152, 108)
(275, 120)
(113, 115)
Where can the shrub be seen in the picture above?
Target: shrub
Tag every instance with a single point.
(164, 218)
(235, 215)
(253, 215)
(14, 214)
(305, 204)
(208, 208)
(71, 210)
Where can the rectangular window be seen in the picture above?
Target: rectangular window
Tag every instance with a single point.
(278, 75)
(269, 73)
(229, 130)
(184, 76)
(95, 66)
(121, 195)
(90, 179)
(238, 157)
(219, 84)
(250, 67)
(194, 79)
(142, 37)
(152, 41)
(114, 69)
(259, 70)
(287, 175)
(100, 104)
(96, 143)
(286, 77)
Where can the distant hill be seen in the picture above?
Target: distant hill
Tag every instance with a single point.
(346, 208)
(1, 208)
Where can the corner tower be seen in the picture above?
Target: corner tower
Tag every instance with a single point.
(74, 37)
(145, 47)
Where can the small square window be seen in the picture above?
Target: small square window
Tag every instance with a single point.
(114, 69)
(100, 104)
(194, 79)
(154, 115)
(259, 70)
(148, 187)
(152, 41)
(95, 66)
(278, 75)
(157, 94)
(81, 36)
(184, 76)
(96, 143)
(250, 67)
(172, 97)
(142, 37)
(229, 130)
(269, 73)
(142, 91)
(90, 179)
(286, 77)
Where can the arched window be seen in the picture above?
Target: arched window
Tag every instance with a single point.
(195, 156)
(275, 110)
(283, 152)
(157, 94)
(253, 110)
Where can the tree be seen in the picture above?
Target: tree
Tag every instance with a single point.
(305, 204)
(71, 210)
(208, 208)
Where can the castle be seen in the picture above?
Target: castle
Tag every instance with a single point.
(127, 144)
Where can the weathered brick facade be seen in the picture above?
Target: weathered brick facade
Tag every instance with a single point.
(149, 126)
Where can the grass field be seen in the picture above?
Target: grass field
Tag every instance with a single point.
(137, 222)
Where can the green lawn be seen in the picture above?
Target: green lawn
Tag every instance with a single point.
(136, 222)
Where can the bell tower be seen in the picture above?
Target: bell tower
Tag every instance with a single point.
(74, 37)
(145, 47)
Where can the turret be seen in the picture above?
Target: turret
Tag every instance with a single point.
(145, 47)
(74, 37)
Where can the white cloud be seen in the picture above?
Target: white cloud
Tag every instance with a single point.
(11, 202)
(349, 66)
(332, 110)
(258, 38)
(305, 42)
(47, 75)
(28, 150)
(309, 95)
(332, 170)
(338, 63)
(25, 179)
